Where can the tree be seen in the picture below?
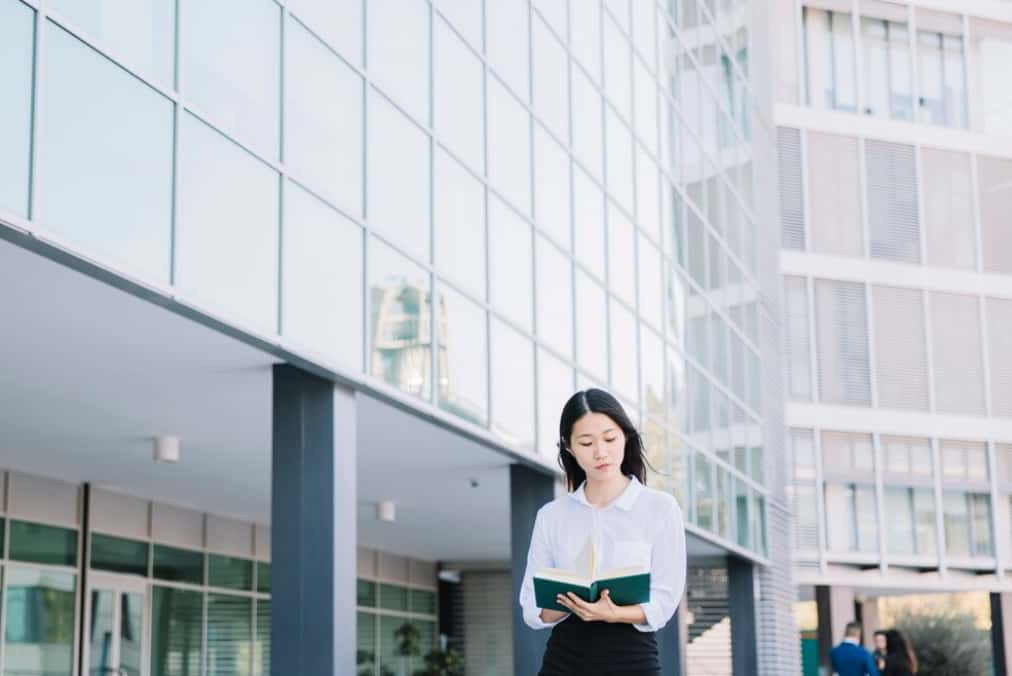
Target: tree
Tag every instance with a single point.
(440, 663)
(409, 639)
(947, 643)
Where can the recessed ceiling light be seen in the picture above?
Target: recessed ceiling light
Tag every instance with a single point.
(166, 449)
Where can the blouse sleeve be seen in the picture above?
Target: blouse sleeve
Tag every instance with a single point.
(667, 572)
(539, 556)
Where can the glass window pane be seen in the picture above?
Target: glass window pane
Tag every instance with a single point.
(703, 492)
(844, 69)
(463, 354)
(398, 161)
(624, 350)
(818, 58)
(323, 119)
(399, 328)
(585, 36)
(924, 511)
(43, 544)
(510, 267)
(263, 577)
(551, 80)
(100, 629)
(554, 297)
(322, 279)
(100, 150)
(867, 519)
(981, 525)
(340, 24)
(900, 524)
(900, 72)
(842, 340)
(119, 555)
(617, 68)
(588, 223)
(398, 45)
(591, 327)
(393, 597)
(957, 524)
(423, 602)
(621, 256)
(178, 565)
(723, 497)
(509, 147)
(555, 386)
(365, 652)
(552, 188)
(229, 572)
(141, 33)
(876, 66)
(365, 593)
(992, 47)
(227, 198)
(512, 384)
(229, 635)
(506, 42)
(39, 638)
(237, 81)
(17, 32)
(955, 81)
(465, 16)
(651, 288)
(176, 632)
(741, 517)
(459, 211)
(588, 133)
(948, 208)
(262, 647)
(620, 160)
(457, 88)
(653, 397)
(930, 72)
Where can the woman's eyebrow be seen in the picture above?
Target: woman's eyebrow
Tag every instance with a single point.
(589, 434)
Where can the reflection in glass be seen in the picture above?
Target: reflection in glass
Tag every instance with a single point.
(176, 632)
(321, 295)
(552, 188)
(36, 543)
(555, 386)
(131, 633)
(236, 81)
(229, 572)
(262, 648)
(178, 565)
(16, 35)
(510, 265)
(591, 327)
(509, 146)
(119, 555)
(512, 384)
(141, 32)
(463, 353)
(703, 491)
(323, 119)
(398, 177)
(459, 213)
(457, 91)
(400, 322)
(101, 639)
(554, 297)
(624, 369)
(227, 197)
(229, 635)
(39, 636)
(398, 44)
(100, 150)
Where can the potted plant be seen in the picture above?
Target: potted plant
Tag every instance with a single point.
(443, 663)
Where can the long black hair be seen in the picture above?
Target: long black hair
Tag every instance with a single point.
(898, 649)
(599, 401)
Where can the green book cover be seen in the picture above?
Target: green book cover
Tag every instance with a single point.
(627, 588)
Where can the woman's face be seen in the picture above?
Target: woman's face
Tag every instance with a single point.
(598, 444)
(880, 642)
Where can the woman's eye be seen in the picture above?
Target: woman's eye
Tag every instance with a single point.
(585, 445)
(610, 440)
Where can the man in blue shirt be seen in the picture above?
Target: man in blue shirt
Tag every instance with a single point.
(850, 658)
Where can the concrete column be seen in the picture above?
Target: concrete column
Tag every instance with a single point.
(836, 608)
(741, 592)
(529, 490)
(1001, 633)
(870, 622)
(313, 534)
(671, 643)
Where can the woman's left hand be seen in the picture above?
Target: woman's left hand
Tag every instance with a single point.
(603, 610)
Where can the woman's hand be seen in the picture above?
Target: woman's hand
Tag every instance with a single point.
(603, 610)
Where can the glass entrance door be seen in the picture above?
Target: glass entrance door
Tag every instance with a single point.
(117, 626)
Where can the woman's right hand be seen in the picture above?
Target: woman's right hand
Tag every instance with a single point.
(552, 615)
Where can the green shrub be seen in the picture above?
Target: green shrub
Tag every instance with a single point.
(947, 643)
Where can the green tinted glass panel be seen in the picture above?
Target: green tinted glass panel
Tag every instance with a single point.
(393, 597)
(43, 544)
(39, 638)
(391, 630)
(178, 565)
(365, 654)
(262, 648)
(229, 634)
(119, 555)
(423, 601)
(176, 632)
(426, 642)
(229, 572)
(263, 577)
(3, 524)
(366, 593)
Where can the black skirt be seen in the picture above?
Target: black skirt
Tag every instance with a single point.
(578, 648)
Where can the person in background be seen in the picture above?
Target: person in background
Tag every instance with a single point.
(850, 658)
(880, 649)
(900, 658)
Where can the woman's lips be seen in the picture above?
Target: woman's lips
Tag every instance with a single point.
(603, 465)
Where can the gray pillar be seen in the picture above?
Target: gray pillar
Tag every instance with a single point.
(1001, 633)
(835, 606)
(529, 490)
(870, 622)
(313, 514)
(741, 604)
(672, 641)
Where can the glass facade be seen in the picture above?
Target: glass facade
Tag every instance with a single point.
(396, 627)
(522, 198)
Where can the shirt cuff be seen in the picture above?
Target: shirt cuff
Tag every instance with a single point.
(534, 621)
(653, 618)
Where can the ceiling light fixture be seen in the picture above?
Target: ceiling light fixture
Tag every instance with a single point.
(386, 511)
(166, 449)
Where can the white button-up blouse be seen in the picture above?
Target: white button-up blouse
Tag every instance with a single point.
(642, 526)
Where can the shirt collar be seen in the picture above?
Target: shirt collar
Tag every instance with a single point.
(850, 641)
(625, 501)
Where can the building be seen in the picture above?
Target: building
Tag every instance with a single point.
(343, 255)
(894, 123)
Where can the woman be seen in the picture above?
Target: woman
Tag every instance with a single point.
(603, 457)
(900, 658)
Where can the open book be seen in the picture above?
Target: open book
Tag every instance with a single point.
(628, 586)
